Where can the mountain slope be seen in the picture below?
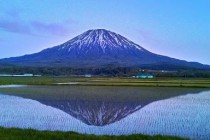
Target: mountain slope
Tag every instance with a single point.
(97, 48)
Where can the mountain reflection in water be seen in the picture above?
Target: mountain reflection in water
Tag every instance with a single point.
(97, 106)
(96, 113)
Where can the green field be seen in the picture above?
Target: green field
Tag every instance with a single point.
(29, 134)
(95, 81)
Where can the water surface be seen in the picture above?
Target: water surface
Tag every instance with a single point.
(108, 110)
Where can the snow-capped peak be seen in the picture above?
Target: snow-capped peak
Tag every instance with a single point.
(101, 38)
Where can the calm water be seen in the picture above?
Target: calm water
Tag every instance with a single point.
(108, 110)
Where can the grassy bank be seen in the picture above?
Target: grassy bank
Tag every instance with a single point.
(156, 82)
(29, 134)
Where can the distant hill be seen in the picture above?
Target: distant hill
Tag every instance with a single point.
(99, 48)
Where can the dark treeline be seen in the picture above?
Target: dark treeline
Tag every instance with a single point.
(106, 71)
(187, 74)
(57, 71)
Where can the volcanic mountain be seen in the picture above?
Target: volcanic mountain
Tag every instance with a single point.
(97, 48)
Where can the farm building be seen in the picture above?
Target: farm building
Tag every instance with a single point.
(144, 76)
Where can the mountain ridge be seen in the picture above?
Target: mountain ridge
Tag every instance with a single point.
(97, 48)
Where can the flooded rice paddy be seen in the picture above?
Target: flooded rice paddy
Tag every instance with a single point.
(101, 110)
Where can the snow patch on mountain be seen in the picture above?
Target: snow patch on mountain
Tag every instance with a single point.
(102, 38)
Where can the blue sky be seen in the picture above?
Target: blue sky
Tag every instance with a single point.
(176, 28)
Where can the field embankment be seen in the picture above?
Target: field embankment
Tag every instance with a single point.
(95, 81)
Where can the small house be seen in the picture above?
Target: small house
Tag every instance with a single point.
(144, 76)
(88, 75)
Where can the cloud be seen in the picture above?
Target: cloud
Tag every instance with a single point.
(148, 37)
(144, 34)
(34, 28)
(12, 22)
(13, 13)
(15, 27)
(51, 28)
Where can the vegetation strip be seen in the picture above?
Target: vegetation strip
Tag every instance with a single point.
(159, 82)
(26, 134)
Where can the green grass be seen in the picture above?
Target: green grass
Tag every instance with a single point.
(29, 134)
(156, 82)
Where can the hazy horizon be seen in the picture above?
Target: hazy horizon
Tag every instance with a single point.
(176, 28)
